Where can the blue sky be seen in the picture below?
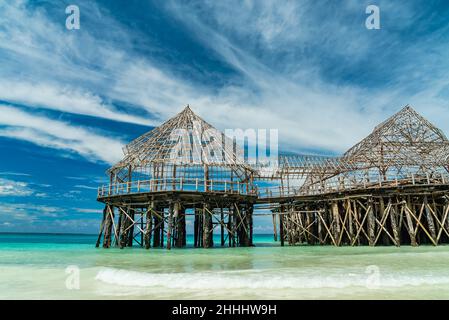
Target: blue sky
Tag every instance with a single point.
(70, 99)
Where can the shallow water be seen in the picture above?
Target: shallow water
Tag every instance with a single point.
(46, 266)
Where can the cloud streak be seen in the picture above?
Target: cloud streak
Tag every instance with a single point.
(13, 188)
(59, 135)
(321, 89)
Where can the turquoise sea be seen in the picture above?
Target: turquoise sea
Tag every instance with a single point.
(44, 266)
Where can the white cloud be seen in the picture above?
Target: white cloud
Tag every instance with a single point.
(62, 67)
(14, 188)
(89, 210)
(59, 135)
(277, 55)
(27, 217)
(81, 186)
(13, 212)
(65, 99)
(9, 173)
(284, 87)
(265, 99)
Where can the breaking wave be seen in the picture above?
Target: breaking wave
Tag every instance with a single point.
(261, 280)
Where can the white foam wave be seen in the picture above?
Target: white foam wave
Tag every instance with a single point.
(232, 280)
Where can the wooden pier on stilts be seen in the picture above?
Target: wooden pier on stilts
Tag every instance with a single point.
(184, 171)
(392, 188)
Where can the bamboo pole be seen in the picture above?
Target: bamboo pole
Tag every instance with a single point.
(275, 233)
(371, 222)
(394, 225)
(157, 231)
(335, 221)
(207, 227)
(170, 225)
(97, 244)
(222, 237)
(108, 229)
(430, 222)
(195, 228)
(149, 225)
(281, 226)
(409, 224)
(131, 227)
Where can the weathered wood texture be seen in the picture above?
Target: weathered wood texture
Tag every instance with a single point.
(402, 219)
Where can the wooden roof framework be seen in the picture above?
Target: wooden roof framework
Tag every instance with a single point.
(406, 148)
(184, 153)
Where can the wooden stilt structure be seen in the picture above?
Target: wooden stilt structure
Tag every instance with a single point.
(391, 188)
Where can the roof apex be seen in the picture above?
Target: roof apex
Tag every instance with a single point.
(405, 132)
(185, 139)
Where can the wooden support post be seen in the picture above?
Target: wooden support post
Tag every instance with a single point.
(243, 226)
(275, 231)
(430, 221)
(400, 216)
(157, 229)
(196, 219)
(287, 229)
(108, 227)
(445, 218)
(200, 227)
(350, 223)
(119, 226)
(207, 227)
(149, 225)
(371, 223)
(180, 226)
(249, 217)
(310, 223)
(319, 229)
(329, 232)
(394, 225)
(382, 213)
(183, 227)
(131, 228)
(358, 225)
(344, 229)
(123, 226)
(170, 225)
(162, 235)
(335, 221)
(142, 234)
(410, 227)
(305, 223)
(103, 220)
(281, 226)
(222, 227)
(231, 240)
(297, 226)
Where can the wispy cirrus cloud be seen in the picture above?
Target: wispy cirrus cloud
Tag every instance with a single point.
(82, 186)
(314, 71)
(14, 188)
(31, 217)
(28, 216)
(310, 69)
(10, 173)
(88, 210)
(65, 99)
(56, 134)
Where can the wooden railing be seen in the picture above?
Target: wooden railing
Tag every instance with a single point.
(236, 187)
(176, 184)
(348, 184)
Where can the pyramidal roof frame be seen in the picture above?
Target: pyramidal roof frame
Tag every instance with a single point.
(186, 140)
(406, 138)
